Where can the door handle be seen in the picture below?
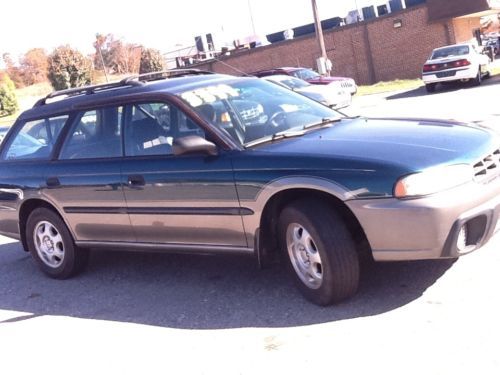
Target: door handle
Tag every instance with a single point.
(53, 182)
(136, 180)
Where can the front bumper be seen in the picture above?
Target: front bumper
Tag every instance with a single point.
(451, 75)
(428, 227)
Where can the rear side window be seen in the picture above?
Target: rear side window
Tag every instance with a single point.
(94, 134)
(35, 139)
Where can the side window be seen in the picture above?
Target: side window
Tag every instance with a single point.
(94, 134)
(151, 128)
(35, 139)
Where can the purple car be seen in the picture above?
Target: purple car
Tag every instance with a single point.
(310, 76)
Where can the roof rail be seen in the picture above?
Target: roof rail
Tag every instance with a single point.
(137, 80)
(87, 90)
(155, 76)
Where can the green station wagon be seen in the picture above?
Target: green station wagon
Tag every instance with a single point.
(192, 162)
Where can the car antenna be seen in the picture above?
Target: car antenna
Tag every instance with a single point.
(232, 67)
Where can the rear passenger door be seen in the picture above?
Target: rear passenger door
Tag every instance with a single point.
(85, 180)
(181, 200)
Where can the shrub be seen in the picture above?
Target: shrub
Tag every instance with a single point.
(151, 61)
(8, 99)
(68, 68)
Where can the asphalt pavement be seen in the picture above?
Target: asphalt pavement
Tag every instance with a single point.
(182, 314)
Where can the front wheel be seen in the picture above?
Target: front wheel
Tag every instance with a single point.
(51, 245)
(321, 253)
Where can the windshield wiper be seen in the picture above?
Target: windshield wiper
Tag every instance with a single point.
(294, 133)
(277, 136)
(323, 122)
(287, 134)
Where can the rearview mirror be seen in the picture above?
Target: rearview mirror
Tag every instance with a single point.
(193, 144)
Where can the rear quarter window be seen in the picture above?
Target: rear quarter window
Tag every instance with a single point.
(35, 139)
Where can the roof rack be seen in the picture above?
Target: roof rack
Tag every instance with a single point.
(136, 80)
(86, 90)
(155, 76)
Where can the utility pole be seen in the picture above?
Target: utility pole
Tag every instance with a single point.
(251, 17)
(98, 45)
(319, 31)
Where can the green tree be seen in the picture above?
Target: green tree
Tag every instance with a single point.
(68, 68)
(8, 99)
(151, 61)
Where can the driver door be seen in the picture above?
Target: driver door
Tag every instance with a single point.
(187, 200)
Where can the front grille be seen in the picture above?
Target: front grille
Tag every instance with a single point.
(487, 167)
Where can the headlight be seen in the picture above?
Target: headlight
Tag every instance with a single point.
(433, 181)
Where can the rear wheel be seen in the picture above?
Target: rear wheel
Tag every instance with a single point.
(479, 78)
(430, 87)
(321, 254)
(51, 245)
(487, 74)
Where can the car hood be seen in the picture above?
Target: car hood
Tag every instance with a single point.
(412, 144)
(323, 90)
(326, 80)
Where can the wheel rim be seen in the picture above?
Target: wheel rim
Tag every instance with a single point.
(304, 255)
(49, 244)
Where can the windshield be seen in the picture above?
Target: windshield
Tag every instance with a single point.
(294, 83)
(250, 110)
(450, 51)
(306, 74)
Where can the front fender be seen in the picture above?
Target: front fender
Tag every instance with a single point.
(265, 192)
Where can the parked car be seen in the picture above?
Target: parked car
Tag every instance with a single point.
(332, 95)
(166, 162)
(311, 76)
(491, 43)
(459, 62)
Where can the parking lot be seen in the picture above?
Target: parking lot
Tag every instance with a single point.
(158, 313)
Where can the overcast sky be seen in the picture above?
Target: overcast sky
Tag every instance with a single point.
(159, 24)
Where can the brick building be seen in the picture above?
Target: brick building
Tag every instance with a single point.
(392, 46)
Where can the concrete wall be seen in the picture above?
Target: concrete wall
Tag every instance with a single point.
(463, 28)
(369, 52)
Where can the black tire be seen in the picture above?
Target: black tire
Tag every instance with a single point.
(339, 264)
(73, 259)
(430, 87)
(479, 78)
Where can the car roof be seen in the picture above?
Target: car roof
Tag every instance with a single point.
(454, 45)
(281, 77)
(277, 71)
(171, 86)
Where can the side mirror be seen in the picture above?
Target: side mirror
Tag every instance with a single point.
(193, 144)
